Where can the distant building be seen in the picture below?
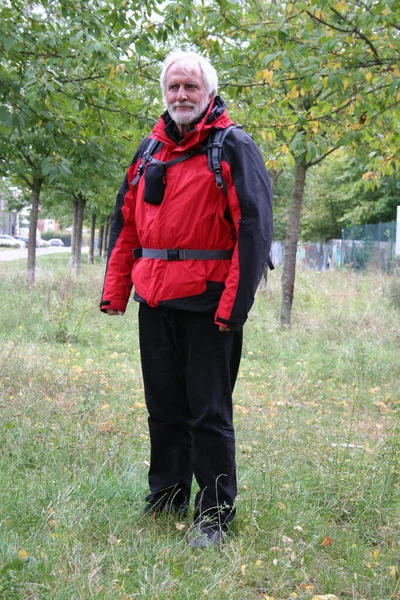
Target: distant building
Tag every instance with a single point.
(9, 221)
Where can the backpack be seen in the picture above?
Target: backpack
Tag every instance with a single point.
(213, 146)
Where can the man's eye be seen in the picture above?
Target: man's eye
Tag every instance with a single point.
(173, 87)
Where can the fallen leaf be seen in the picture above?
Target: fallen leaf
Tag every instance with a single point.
(23, 554)
(107, 427)
(327, 541)
(306, 587)
(243, 569)
(326, 597)
(180, 526)
(287, 540)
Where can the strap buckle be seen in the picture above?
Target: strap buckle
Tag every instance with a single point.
(174, 254)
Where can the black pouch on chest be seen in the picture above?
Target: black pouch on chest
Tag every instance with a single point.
(154, 182)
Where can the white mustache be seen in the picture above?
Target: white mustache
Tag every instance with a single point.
(188, 104)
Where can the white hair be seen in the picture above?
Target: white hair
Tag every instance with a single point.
(186, 61)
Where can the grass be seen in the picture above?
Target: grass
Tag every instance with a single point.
(318, 446)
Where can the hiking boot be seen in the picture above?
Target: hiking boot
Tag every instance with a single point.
(206, 535)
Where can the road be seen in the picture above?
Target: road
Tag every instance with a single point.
(6, 255)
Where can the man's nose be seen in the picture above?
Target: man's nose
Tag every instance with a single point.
(181, 94)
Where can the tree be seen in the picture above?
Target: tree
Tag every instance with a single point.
(62, 81)
(336, 197)
(308, 77)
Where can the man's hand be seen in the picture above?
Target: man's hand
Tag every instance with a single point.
(111, 311)
(224, 328)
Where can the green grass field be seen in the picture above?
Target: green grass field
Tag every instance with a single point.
(318, 445)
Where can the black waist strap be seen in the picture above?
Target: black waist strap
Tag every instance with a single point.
(179, 254)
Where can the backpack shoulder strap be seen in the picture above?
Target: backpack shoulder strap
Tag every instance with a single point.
(151, 148)
(214, 152)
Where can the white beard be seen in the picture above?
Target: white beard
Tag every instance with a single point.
(189, 116)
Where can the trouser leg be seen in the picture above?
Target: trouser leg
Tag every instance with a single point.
(170, 473)
(212, 363)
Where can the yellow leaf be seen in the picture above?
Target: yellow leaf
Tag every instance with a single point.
(271, 136)
(263, 135)
(285, 149)
(22, 554)
(386, 12)
(243, 569)
(104, 407)
(268, 75)
(368, 76)
(393, 572)
(138, 405)
(269, 597)
(351, 109)
(282, 506)
(325, 597)
(294, 92)
(258, 562)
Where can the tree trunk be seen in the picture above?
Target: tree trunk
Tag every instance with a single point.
(289, 265)
(78, 234)
(33, 220)
(101, 237)
(91, 240)
(73, 231)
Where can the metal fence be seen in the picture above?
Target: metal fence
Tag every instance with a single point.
(371, 245)
(361, 246)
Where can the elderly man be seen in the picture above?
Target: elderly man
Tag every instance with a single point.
(193, 241)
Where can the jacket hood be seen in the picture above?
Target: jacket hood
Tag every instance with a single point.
(216, 115)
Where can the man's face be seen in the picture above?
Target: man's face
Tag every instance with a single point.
(186, 95)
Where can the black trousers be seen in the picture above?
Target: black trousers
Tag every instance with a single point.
(189, 372)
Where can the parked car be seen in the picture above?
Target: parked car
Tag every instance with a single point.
(8, 241)
(56, 242)
(39, 243)
(21, 238)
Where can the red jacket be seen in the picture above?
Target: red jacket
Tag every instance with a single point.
(194, 214)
